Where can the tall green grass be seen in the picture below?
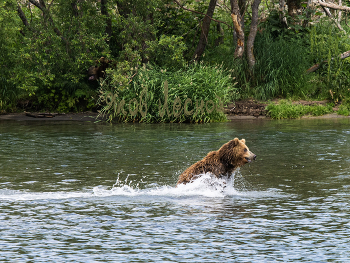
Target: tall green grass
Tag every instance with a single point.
(281, 68)
(287, 110)
(327, 43)
(195, 93)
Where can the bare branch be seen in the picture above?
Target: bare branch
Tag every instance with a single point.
(328, 13)
(197, 12)
(334, 6)
(41, 5)
(22, 16)
(37, 4)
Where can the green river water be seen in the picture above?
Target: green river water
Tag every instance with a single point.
(87, 192)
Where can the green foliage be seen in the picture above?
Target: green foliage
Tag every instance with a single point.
(167, 52)
(280, 68)
(175, 21)
(45, 61)
(282, 58)
(203, 89)
(48, 62)
(134, 34)
(9, 55)
(67, 98)
(276, 29)
(344, 108)
(287, 110)
(327, 44)
(8, 95)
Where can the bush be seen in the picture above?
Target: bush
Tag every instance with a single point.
(167, 52)
(195, 93)
(287, 110)
(327, 43)
(281, 68)
(8, 95)
(344, 108)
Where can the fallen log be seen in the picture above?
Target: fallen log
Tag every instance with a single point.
(41, 115)
(317, 66)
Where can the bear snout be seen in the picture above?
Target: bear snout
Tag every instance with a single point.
(251, 157)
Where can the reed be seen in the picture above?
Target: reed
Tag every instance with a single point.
(195, 93)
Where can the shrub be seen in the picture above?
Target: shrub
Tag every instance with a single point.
(195, 93)
(8, 95)
(280, 68)
(287, 110)
(327, 43)
(167, 52)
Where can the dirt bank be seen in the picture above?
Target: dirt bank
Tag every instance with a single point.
(26, 116)
(240, 110)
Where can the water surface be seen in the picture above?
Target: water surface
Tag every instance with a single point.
(85, 192)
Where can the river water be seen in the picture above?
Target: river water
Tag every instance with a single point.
(86, 192)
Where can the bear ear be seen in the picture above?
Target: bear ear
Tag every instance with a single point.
(235, 141)
(243, 140)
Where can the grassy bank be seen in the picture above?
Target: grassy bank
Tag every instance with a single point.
(285, 109)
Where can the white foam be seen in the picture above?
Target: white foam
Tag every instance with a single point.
(206, 185)
(12, 195)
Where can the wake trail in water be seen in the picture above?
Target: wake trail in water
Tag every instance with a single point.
(206, 186)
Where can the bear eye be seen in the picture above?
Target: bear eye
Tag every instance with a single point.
(245, 150)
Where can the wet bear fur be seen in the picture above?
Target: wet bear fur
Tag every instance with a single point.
(222, 162)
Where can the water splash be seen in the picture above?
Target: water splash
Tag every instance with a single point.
(206, 185)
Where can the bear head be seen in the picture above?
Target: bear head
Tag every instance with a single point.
(99, 71)
(235, 153)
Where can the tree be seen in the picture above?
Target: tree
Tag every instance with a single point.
(252, 33)
(237, 15)
(60, 41)
(205, 26)
(237, 20)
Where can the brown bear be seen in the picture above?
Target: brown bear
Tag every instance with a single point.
(222, 162)
(99, 71)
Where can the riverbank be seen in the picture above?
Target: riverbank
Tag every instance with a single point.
(240, 110)
(255, 110)
(26, 116)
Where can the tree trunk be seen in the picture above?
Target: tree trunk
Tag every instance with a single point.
(252, 33)
(220, 38)
(23, 17)
(203, 39)
(308, 13)
(237, 22)
(340, 12)
(282, 15)
(293, 7)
